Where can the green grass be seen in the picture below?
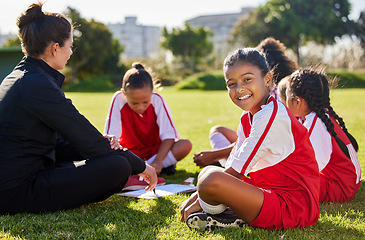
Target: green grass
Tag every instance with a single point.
(194, 113)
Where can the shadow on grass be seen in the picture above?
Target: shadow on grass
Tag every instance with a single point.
(180, 176)
(117, 218)
(337, 221)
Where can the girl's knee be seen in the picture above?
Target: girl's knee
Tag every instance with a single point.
(181, 148)
(215, 129)
(210, 182)
(187, 145)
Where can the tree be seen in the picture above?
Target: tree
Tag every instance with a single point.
(190, 44)
(360, 29)
(295, 22)
(93, 45)
(12, 42)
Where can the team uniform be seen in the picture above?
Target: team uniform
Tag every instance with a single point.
(218, 141)
(273, 148)
(339, 175)
(143, 133)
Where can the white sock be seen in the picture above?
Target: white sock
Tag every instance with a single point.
(167, 162)
(212, 209)
(217, 140)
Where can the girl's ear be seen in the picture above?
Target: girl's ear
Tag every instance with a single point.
(268, 79)
(298, 101)
(301, 103)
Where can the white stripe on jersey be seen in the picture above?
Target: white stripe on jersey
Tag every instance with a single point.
(355, 161)
(320, 139)
(276, 146)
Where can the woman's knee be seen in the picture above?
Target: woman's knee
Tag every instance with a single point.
(119, 165)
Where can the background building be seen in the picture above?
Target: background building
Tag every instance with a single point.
(221, 26)
(139, 41)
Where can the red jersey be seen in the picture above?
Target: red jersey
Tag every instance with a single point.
(143, 133)
(273, 148)
(339, 174)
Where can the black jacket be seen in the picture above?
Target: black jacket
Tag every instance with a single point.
(33, 109)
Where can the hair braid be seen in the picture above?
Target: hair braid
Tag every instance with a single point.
(316, 104)
(342, 124)
(327, 104)
(312, 85)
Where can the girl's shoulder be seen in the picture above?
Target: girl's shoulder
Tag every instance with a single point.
(272, 109)
(119, 98)
(157, 99)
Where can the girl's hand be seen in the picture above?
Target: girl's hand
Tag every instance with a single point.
(114, 144)
(204, 158)
(150, 176)
(157, 166)
(190, 206)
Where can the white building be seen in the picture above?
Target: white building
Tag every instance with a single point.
(139, 41)
(221, 26)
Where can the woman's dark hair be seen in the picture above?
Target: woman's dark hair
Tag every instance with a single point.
(248, 55)
(279, 63)
(38, 29)
(312, 85)
(137, 77)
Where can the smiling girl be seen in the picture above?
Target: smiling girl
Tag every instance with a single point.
(271, 178)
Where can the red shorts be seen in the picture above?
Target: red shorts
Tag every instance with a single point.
(332, 191)
(282, 211)
(270, 214)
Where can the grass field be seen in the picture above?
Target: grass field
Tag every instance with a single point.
(194, 113)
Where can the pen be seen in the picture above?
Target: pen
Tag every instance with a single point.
(154, 191)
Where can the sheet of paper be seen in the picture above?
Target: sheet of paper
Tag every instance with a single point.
(161, 191)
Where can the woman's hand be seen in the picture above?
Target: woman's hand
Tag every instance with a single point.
(190, 206)
(150, 176)
(114, 144)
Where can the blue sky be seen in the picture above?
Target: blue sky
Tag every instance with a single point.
(170, 13)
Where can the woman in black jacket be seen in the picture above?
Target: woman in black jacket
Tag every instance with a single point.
(43, 137)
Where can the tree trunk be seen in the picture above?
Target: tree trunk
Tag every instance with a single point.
(297, 50)
(75, 67)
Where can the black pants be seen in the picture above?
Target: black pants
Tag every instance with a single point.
(68, 185)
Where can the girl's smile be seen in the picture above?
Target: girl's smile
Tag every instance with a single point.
(247, 88)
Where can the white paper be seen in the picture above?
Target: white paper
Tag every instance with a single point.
(161, 191)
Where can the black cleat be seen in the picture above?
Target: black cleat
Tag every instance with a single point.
(169, 170)
(204, 221)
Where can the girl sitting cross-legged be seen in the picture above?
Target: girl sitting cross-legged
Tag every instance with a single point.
(306, 93)
(271, 179)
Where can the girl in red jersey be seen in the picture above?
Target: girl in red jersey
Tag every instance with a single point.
(142, 121)
(221, 138)
(271, 178)
(306, 93)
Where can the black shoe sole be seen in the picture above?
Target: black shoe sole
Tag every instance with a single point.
(203, 221)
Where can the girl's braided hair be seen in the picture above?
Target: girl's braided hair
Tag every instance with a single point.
(312, 85)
